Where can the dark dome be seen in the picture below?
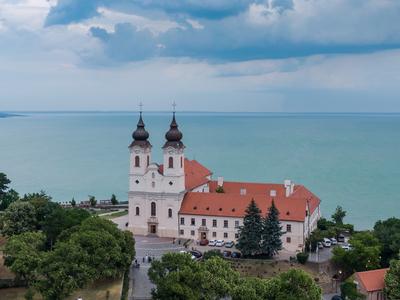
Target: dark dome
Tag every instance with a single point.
(140, 135)
(174, 135)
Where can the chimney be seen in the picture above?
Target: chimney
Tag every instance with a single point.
(272, 193)
(220, 181)
(242, 191)
(288, 187)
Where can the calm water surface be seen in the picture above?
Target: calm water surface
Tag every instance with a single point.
(350, 160)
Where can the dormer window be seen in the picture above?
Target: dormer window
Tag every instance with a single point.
(137, 161)
(170, 162)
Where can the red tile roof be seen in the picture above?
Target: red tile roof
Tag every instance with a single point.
(232, 204)
(195, 174)
(372, 280)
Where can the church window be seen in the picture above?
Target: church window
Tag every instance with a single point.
(214, 234)
(153, 175)
(288, 240)
(181, 162)
(137, 212)
(182, 221)
(148, 160)
(193, 221)
(181, 232)
(153, 209)
(137, 161)
(192, 232)
(203, 222)
(170, 162)
(169, 213)
(225, 223)
(214, 223)
(225, 235)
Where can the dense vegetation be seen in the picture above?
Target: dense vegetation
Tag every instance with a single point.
(177, 276)
(260, 236)
(57, 250)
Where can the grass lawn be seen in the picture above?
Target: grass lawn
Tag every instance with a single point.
(116, 214)
(97, 291)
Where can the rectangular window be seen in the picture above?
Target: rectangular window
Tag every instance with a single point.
(192, 232)
(193, 221)
(181, 232)
(225, 223)
(214, 223)
(236, 235)
(236, 224)
(225, 235)
(182, 221)
(288, 240)
(288, 228)
(203, 222)
(214, 234)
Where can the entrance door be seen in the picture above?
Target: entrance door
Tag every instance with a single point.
(153, 229)
(203, 236)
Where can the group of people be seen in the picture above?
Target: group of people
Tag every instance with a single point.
(145, 259)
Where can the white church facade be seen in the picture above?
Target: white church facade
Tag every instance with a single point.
(179, 198)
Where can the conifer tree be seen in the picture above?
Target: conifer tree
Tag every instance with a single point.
(250, 233)
(271, 241)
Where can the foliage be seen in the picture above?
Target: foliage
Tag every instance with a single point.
(251, 231)
(392, 280)
(219, 189)
(324, 224)
(363, 255)
(255, 288)
(212, 253)
(348, 290)
(339, 215)
(33, 197)
(73, 202)
(114, 200)
(388, 234)
(271, 241)
(23, 254)
(7, 195)
(177, 276)
(92, 201)
(19, 217)
(302, 257)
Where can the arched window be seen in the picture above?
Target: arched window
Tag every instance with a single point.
(137, 161)
(169, 212)
(153, 209)
(137, 211)
(170, 162)
(148, 160)
(153, 175)
(181, 162)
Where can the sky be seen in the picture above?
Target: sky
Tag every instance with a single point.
(206, 55)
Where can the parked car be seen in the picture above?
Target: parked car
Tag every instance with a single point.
(341, 238)
(229, 244)
(326, 242)
(212, 243)
(203, 243)
(227, 253)
(346, 246)
(196, 254)
(320, 246)
(220, 243)
(236, 254)
(192, 256)
(333, 241)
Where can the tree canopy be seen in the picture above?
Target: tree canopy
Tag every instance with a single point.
(339, 215)
(271, 241)
(19, 217)
(388, 234)
(392, 280)
(7, 195)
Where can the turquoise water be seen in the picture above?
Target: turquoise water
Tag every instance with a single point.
(350, 160)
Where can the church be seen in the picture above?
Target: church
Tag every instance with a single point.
(180, 199)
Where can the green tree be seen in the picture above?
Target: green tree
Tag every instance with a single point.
(392, 281)
(363, 255)
(7, 195)
(297, 284)
(271, 241)
(19, 217)
(388, 234)
(256, 289)
(114, 200)
(23, 254)
(73, 202)
(339, 215)
(348, 290)
(177, 276)
(92, 201)
(250, 233)
(212, 253)
(32, 197)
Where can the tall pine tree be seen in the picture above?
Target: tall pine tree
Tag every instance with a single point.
(250, 233)
(271, 241)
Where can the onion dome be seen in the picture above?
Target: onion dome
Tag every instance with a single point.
(173, 135)
(140, 135)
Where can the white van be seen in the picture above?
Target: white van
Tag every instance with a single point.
(326, 242)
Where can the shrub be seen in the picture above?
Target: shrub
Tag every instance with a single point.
(302, 257)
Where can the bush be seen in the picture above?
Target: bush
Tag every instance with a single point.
(302, 257)
(212, 253)
(219, 189)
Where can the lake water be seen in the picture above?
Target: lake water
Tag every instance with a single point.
(346, 159)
